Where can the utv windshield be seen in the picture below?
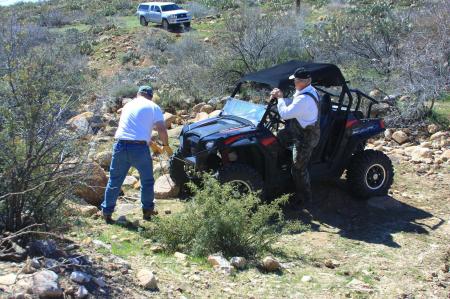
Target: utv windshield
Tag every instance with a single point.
(250, 111)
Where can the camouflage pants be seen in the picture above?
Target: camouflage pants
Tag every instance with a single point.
(305, 140)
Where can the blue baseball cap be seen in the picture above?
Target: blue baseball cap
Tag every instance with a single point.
(146, 89)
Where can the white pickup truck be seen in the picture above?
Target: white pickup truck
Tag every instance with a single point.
(164, 13)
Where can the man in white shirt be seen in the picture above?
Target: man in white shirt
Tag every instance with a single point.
(133, 137)
(303, 125)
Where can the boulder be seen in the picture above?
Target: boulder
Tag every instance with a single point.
(238, 262)
(180, 256)
(380, 110)
(270, 264)
(175, 132)
(165, 187)
(81, 123)
(147, 279)
(197, 107)
(207, 108)
(92, 188)
(201, 116)
(306, 278)
(438, 135)
(104, 159)
(375, 93)
(215, 113)
(45, 285)
(220, 263)
(169, 119)
(432, 128)
(82, 292)
(87, 211)
(422, 154)
(8, 279)
(129, 181)
(400, 137)
(80, 277)
(446, 155)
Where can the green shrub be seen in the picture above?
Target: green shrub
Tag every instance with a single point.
(129, 56)
(218, 219)
(42, 84)
(125, 91)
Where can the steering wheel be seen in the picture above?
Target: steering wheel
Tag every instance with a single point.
(274, 117)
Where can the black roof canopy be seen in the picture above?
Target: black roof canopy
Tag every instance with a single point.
(323, 74)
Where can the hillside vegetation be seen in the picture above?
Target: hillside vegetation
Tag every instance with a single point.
(68, 67)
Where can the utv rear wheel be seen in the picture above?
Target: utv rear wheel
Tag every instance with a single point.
(143, 21)
(370, 174)
(245, 178)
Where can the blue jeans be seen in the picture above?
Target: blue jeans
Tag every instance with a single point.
(124, 156)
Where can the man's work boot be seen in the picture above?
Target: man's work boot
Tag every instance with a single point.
(108, 219)
(147, 214)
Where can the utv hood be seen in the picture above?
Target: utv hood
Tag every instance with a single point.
(217, 127)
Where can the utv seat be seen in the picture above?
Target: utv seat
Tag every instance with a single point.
(326, 126)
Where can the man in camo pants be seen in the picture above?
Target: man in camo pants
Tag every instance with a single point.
(303, 126)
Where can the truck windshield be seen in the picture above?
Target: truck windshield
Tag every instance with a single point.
(170, 7)
(250, 111)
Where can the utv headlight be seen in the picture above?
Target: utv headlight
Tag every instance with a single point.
(209, 145)
(172, 17)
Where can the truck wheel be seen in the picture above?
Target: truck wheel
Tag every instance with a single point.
(187, 25)
(143, 21)
(370, 173)
(176, 169)
(165, 24)
(245, 178)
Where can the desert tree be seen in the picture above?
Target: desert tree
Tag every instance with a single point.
(43, 78)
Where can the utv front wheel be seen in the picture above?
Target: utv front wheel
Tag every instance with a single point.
(370, 174)
(243, 177)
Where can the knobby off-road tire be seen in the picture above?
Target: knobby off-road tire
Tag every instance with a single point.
(143, 21)
(370, 173)
(244, 177)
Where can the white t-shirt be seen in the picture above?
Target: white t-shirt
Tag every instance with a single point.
(137, 120)
(302, 107)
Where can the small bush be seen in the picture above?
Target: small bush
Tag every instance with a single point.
(199, 10)
(125, 91)
(218, 219)
(129, 56)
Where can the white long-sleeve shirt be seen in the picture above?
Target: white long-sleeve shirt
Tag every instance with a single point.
(302, 107)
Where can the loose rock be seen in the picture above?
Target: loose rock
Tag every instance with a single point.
(92, 189)
(82, 292)
(45, 285)
(306, 278)
(400, 137)
(165, 187)
(80, 277)
(147, 279)
(238, 262)
(271, 264)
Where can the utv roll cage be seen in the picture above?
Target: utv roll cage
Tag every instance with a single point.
(323, 74)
